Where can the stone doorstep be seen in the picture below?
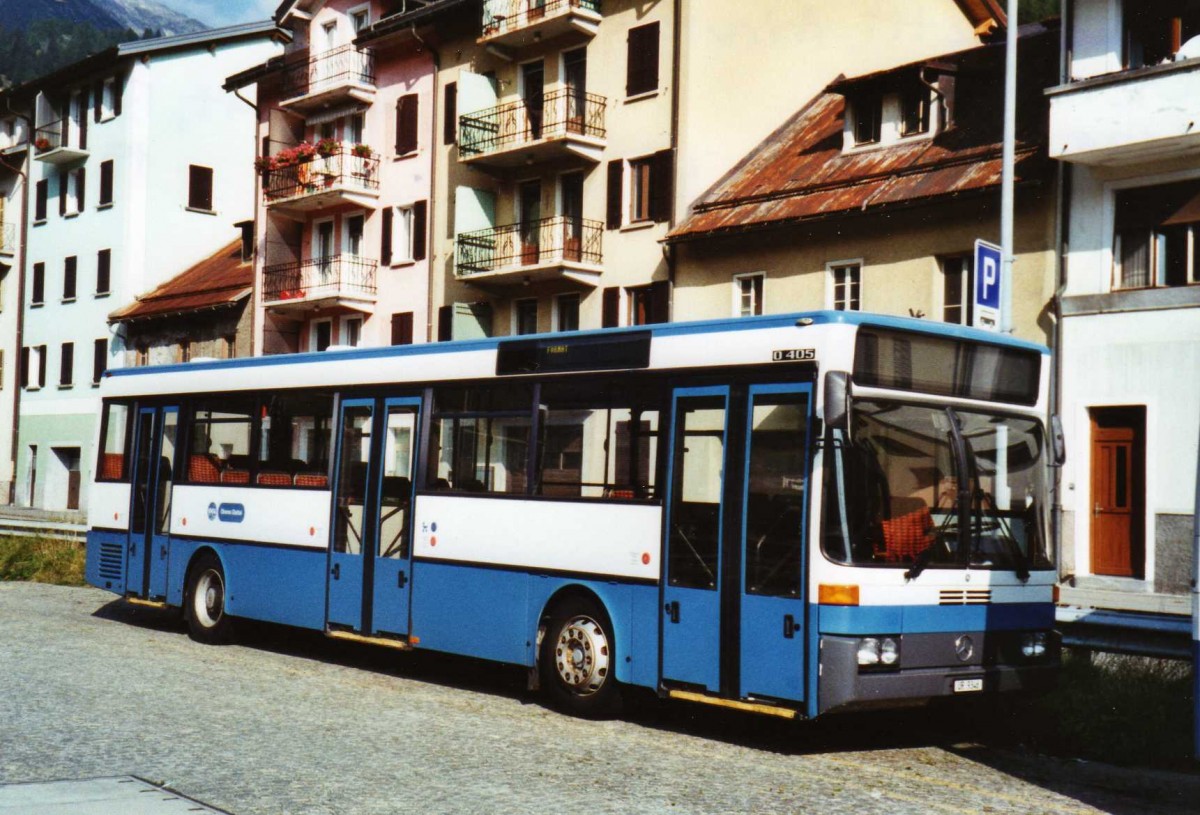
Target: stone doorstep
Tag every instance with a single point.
(1146, 602)
(123, 795)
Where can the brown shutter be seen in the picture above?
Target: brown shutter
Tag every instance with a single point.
(43, 197)
(660, 302)
(445, 323)
(24, 372)
(641, 69)
(118, 91)
(99, 359)
(42, 366)
(450, 108)
(420, 223)
(62, 192)
(611, 310)
(616, 180)
(103, 270)
(97, 99)
(406, 124)
(402, 328)
(66, 368)
(385, 244)
(79, 187)
(662, 178)
(83, 120)
(106, 182)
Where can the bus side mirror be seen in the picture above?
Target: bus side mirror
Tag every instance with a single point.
(837, 400)
(1058, 441)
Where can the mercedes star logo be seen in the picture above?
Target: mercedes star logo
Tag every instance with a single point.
(964, 648)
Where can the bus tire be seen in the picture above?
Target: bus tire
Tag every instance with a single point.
(578, 659)
(204, 602)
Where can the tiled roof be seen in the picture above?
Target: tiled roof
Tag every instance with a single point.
(221, 280)
(801, 172)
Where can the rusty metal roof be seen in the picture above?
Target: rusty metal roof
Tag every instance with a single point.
(800, 172)
(221, 280)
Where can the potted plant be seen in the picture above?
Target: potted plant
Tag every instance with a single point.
(41, 144)
(328, 147)
(361, 151)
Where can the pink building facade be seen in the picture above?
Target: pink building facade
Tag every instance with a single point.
(344, 184)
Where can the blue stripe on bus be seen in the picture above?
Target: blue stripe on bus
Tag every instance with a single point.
(660, 330)
(931, 619)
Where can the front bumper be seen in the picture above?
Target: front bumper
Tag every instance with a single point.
(930, 668)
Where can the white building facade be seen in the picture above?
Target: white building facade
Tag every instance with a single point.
(14, 145)
(1123, 119)
(138, 169)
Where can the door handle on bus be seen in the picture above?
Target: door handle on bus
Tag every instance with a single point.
(672, 609)
(133, 548)
(401, 580)
(789, 626)
(337, 571)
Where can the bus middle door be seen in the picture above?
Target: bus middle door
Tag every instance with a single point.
(150, 513)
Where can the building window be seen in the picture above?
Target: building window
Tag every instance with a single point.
(360, 18)
(184, 352)
(868, 118)
(70, 278)
(41, 200)
(71, 193)
(37, 295)
(409, 225)
(914, 112)
(525, 316)
(142, 355)
(352, 331)
(108, 96)
(846, 280)
(353, 237)
(103, 271)
(958, 281)
(642, 60)
(1155, 32)
(66, 369)
(639, 189)
(649, 304)
(748, 295)
(322, 335)
(106, 183)
(354, 128)
(566, 312)
(1156, 232)
(200, 188)
(99, 360)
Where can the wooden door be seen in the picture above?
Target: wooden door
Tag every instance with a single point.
(1117, 491)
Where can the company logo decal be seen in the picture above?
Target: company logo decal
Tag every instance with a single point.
(229, 513)
(212, 512)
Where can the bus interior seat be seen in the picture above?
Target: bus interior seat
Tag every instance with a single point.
(233, 475)
(397, 490)
(204, 468)
(905, 536)
(311, 480)
(112, 466)
(273, 478)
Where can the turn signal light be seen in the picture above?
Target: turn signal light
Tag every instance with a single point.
(828, 595)
(1055, 594)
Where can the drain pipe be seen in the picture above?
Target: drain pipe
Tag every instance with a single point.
(20, 334)
(256, 341)
(430, 254)
(1196, 613)
(1062, 244)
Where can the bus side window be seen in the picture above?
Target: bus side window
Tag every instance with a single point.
(479, 439)
(115, 447)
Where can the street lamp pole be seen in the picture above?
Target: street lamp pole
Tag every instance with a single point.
(1007, 169)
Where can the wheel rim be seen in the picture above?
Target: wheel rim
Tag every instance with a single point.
(208, 603)
(581, 656)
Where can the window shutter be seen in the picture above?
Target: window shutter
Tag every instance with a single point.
(106, 182)
(24, 365)
(641, 69)
(660, 302)
(406, 124)
(62, 193)
(420, 224)
(70, 268)
(79, 187)
(43, 197)
(450, 106)
(445, 323)
(103, 270)
(118, 90)
(39, 283)
(99, 359)
(662, 178)
(41, 366)
(402, 328)
(385, 248)
(66, 371)
(611, 316)
(616, 180)
(97, 99)
(83, 120)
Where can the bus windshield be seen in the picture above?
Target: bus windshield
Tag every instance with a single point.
(906, 481)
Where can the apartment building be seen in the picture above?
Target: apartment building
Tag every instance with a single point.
(138, 168)
(1122, 119)
(14, 148)
(871, 196)
(344, 182)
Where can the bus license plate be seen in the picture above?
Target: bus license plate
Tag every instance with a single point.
(968, 685)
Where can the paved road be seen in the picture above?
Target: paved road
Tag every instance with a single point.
(289, 722)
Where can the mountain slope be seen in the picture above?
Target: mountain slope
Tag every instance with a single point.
(104, 15)
(142, 14)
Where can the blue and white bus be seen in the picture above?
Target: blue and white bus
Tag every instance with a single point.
(790, 514)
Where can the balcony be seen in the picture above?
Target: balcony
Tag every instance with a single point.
(515, 23)
(312, 182)
(341, 76)
(51, 143)
(1129, 117)
(346, 281)
(8, 239)
(549, 249)
(562, 124)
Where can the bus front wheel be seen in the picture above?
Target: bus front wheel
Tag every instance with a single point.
(578, 659)
(204, 605)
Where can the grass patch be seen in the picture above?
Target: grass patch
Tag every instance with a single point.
(1113, 708)
(42, 560)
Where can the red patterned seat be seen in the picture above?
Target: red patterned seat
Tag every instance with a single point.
(232, 475)
(312, 480)
(203, 468)
(112, 466)
(906, 535)
(274, 478)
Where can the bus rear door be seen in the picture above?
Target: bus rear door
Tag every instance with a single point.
(734, 599)
(150, 511)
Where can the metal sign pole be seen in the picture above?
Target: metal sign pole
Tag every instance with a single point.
(1196, 613)
(1008, 160)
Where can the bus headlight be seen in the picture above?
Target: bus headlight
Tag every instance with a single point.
(878, 652)
(1033, 644)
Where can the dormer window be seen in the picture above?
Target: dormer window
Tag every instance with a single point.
(914, 112)
(1157, 32)
(868, 118)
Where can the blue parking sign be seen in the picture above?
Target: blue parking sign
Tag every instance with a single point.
(987, 285)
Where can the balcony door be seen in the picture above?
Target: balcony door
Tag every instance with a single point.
(323, 251)
(575, 80)
(533, 96)
(571, 194)
(529, 203)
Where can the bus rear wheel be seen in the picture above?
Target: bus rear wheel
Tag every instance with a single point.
(204, 604)
(578, 659)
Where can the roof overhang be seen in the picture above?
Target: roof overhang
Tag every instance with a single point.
(413, 13)
(985, 15)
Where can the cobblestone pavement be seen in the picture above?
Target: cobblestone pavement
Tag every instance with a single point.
(289, 722)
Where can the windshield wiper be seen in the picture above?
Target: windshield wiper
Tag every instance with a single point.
(1020, 563)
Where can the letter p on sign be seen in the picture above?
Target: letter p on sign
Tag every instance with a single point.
(987, 285)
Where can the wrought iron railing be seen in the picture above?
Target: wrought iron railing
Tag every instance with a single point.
(49, 136)
(8, 238)
(535, 243)
(319, 277)
(553, 115)
(342, 169)
(502, 16)
(329, 69)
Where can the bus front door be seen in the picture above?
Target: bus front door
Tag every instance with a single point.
(150, 510)
(733, 616)
(370, 551)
